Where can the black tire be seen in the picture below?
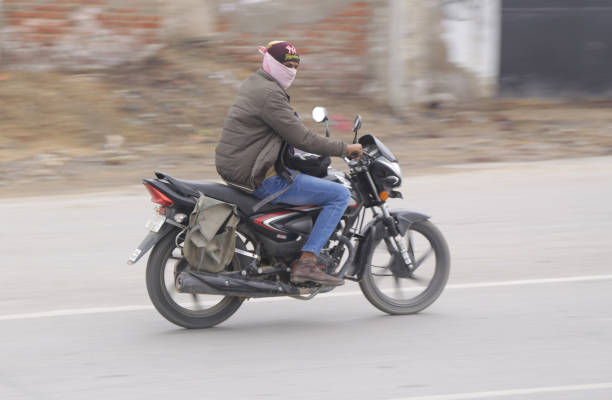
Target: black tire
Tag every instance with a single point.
(167, 307)
(431, 292)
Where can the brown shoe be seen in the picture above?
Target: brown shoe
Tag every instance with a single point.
(309, 271)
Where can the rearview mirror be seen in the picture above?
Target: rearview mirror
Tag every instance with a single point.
(357, 123)
(319, 114)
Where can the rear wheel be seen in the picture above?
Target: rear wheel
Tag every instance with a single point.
(191, 311)
(394, 289)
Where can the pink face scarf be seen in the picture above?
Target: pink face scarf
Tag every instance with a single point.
(283, 75)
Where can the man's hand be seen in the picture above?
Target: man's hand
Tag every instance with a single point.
(354, 151)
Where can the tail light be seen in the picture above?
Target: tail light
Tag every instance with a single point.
(158, 197)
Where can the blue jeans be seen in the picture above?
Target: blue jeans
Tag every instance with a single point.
(307, 190)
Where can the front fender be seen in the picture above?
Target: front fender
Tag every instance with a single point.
(405, 218)
(375, 230)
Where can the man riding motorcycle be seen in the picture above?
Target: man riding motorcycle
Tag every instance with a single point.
(248, 154)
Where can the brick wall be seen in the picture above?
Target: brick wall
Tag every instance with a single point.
(334, 43)
(77, 34)
(339, 40)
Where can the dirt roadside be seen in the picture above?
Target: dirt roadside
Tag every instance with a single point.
(68, 133)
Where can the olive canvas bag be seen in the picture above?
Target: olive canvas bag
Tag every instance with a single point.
(210, 237)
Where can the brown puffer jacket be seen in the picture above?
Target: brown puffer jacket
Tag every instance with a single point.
(255, 128)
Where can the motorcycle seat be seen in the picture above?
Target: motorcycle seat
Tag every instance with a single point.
(242, 200)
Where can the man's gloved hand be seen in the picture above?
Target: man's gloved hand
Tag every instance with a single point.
(354, 151)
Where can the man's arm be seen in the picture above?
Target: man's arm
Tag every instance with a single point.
(279, 115)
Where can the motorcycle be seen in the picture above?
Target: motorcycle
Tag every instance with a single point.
(399, 258)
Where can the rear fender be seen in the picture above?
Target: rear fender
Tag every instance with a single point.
(375, 230)
(149, 241)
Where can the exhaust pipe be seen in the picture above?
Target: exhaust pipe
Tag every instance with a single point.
(201, 283)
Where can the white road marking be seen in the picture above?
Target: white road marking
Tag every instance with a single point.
(512, 392)
(531, 281)
(73, 311)
(474, 285)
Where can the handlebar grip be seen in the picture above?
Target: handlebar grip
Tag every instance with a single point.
(354, 154)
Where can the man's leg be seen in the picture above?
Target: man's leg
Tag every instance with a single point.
(308, 190)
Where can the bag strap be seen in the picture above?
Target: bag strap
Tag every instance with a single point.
(274, 195)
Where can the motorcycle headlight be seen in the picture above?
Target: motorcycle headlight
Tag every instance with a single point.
(389, 171)
(396, 168)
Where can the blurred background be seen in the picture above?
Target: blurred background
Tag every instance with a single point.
(498, 111)
(97, 92)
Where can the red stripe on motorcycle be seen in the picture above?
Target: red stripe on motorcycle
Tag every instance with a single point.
(262, 221)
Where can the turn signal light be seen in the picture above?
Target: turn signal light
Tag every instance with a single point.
(158, 197)
(383, 195)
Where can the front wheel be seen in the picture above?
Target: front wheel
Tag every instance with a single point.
(393, 288)
(187, 310)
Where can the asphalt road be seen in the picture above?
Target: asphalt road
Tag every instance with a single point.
(526, 314)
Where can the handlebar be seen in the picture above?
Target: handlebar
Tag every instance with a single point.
(363, 160)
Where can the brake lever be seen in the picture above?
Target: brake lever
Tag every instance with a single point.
(354, 162)
(351, 163)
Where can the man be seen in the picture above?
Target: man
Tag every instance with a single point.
(254, 130)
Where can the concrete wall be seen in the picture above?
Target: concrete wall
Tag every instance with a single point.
(471, 34)
(440, 51)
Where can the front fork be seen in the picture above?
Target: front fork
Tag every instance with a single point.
(401, 247)
(389, 222)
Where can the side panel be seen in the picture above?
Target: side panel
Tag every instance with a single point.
(284, 224)
(283, 232)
